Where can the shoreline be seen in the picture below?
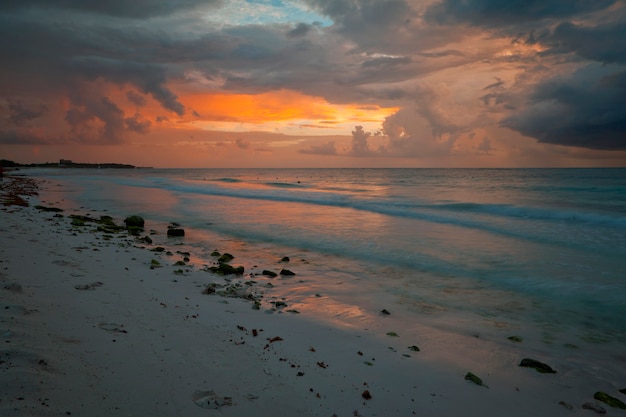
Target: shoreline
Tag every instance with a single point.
(92, 327)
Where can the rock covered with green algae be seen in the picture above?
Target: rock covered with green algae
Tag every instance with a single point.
(475, 379)
(609, 400)
(536, 365)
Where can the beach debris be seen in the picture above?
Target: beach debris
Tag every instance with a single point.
(609, 400)
(175, 232)
(538, 366)
(322, 365)
(112, 327)
(385, 312)
(275, 339)
(91, 286)
(516, 339)
(287, 272)
(414, 348)
(475, 379)
(268, 273)
(366, 394)
(210, 400)
(594, 407)
(227, 257)
(393, 334)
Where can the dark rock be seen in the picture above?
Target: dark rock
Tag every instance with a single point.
(285, 259)
(623, 391)
(215, 253)
(226, 269)
(414, 348)
(146, 239)
(609, 400)
(385, 312)
(538, 366)
(134, 230)
(270, 274)
(227, 257)
(134, 221)
(286, 272)
(175, 232)
(49, 209)
(473, 378)
(516, 339)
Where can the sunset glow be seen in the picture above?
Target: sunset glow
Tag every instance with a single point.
(343, 83)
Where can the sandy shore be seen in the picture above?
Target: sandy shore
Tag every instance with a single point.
(90, 327)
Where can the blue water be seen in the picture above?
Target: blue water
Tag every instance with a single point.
(535, 250)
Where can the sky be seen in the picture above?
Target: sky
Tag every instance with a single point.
(314, 83)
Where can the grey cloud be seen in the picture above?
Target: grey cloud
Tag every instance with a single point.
(586, 110)
(601, 43)
(116, 8)
(327, 148)
(136, 99)
(301, 29)
(138, 124)
(498, 13)
(20, 114)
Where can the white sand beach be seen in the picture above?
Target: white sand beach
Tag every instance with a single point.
(90, 325)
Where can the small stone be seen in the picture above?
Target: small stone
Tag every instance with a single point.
(286, 272)
(414, 348)
(392, 334)
(227, 257)
(268, 273)
(385, 312)
(538, 366)
(366, 394)
(285, 259)
(175, 232)
(475, 379)
(134, 221)
(516, 339)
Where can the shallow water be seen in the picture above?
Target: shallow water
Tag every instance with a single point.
(537, 252)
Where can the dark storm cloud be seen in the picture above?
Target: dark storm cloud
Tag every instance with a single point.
(116, 8)
(586, 110)
(20, 114)
(498, 13)
(602, 43)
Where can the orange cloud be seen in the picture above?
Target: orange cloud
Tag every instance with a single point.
(276, 106)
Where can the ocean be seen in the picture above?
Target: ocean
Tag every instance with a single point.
(539, 254)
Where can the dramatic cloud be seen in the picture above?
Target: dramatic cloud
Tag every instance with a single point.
(395, 79)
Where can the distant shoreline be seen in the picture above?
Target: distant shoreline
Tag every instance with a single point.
(65, 165)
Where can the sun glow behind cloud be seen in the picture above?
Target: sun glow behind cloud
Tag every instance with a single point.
(281, 111)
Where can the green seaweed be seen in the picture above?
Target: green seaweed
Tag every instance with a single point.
(609, 400)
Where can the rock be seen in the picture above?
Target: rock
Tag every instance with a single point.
(414, 348)
(538, 366)
(623, 390)
(609, 400)
(286, 272)
(134, 221)
(173, 232)
(475, 379)
(227, 257)
(385, 312)
(516, 339)
(146, 239)
(285, 259)
(226, 269)
(594, 407)
(270, 274)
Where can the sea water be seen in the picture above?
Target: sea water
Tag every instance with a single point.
(539, 253)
